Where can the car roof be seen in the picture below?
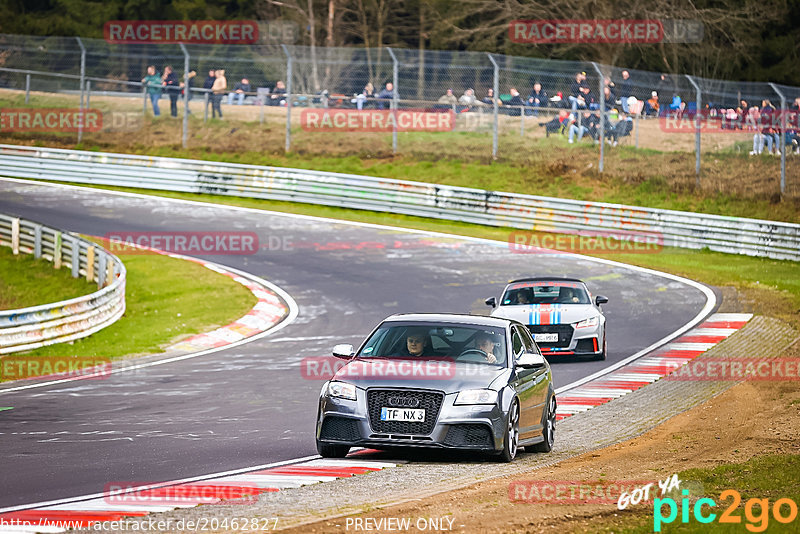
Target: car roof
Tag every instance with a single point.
(547, 279)
(454, 318)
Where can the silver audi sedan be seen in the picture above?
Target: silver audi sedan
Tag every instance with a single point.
(440, 381)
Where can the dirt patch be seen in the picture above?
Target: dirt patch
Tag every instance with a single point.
(748, 420)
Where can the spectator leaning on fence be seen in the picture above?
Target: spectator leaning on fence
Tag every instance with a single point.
(467, 100)
(172, 85)
(240, 91)
(489, 99)
(153, 83)
(219, 88)
(385, 95)
(367, 94)
(448, 99)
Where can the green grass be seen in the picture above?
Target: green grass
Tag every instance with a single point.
(26, 281)
(167, 299)
(770, 477)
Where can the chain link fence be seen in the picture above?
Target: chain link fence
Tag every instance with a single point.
(377, 101)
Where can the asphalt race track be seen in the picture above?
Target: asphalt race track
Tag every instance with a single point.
(250, 405)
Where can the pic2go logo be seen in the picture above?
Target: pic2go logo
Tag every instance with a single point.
(756, 511)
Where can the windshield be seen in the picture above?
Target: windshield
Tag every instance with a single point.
(462, 343)
(545, 292)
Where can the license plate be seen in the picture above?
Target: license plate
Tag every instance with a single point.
(545, 338)
(413, 415)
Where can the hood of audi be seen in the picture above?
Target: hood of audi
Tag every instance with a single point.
(439, 374)
(545, 314)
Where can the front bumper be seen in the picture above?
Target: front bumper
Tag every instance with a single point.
(474, 427)
(572, 341)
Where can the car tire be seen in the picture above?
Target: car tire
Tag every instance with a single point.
(548, 427)
(328, 450)
(511, 439)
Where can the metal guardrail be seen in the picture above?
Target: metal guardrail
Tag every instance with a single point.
(37, 326)
(734, 235)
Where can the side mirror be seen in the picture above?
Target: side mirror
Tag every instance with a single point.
(491, 301)
(530, 360)
(600, 299)
(345, 351)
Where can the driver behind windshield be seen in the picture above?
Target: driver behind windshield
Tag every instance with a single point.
(418, 343)
(484, 342)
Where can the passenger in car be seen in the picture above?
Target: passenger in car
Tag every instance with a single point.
(418, 343)
(568, 296)
(522, 297)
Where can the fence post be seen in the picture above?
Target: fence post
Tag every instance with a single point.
(185, 138)
(83, 76)
(602, 117)
(395, 93)
(88, 94)
(27, 88)
(289, 61)
(783, 136)
(698, 103)
(496, 94)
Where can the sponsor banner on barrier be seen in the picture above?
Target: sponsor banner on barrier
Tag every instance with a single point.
(50, 120)
(181, 31)
(735, 369)
(125, 493)
(21, 367)
(376, 120)
(572, 491)
(213, 243)
(585, 242)
(723, 121)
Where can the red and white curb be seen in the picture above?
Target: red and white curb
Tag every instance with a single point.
(241, 486)
(650, 367)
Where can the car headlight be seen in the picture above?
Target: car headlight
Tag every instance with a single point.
(476, 396)
(586, 323)
(342, 390)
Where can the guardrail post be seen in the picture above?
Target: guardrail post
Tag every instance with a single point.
(37, 241)
(289, 61)
(83, 76)
(783, 136)
(698, 103)
(90, 264)
(185, 137)
(395, 94)
(496, 94)
(101, 271)
(27, 88)
(602, 117)
(15, 236)
(57, 241)
(76, 257)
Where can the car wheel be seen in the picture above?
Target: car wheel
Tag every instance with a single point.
(327, 450)
(511, 440)
(548, 428)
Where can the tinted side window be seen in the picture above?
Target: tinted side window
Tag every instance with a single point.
(527, 340)
(516, 342)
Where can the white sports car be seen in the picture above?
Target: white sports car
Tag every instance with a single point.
(559, 312)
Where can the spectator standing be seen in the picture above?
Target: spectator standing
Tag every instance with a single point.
(152, 81)
(172, 86)
(625, 89)
(219, 88)
(537, 99)
(240, 91)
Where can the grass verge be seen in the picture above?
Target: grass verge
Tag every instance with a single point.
(167, 299)
(26, 281)
(765, 286)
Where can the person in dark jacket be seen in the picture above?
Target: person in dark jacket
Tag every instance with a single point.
(172, 86)
(537, 99)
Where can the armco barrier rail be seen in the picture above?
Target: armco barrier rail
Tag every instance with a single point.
(34, 327)
(734, 235)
